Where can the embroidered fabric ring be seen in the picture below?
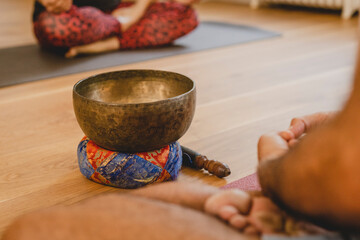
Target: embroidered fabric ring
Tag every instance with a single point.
(128, 170)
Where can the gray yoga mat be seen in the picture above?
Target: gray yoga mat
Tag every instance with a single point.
(30, 63)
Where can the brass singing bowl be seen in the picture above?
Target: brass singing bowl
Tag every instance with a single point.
(134, 110)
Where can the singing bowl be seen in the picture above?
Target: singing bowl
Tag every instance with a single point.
(134, 110)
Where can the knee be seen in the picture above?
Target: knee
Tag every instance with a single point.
(192, 20)
(51, 30)
(79, 26)
(186, 22)
(179, 19)
(185, 16)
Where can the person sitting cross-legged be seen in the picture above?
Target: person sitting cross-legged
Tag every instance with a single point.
(95, 26)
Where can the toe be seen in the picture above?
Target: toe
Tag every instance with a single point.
(226, 212)
(251, 230)
(287, 135)
(238, 221)
(71, 53)
(293, 142)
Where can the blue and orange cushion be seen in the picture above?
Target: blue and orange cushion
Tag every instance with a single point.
(128, 170)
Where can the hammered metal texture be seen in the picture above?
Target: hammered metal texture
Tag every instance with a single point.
(134, 110)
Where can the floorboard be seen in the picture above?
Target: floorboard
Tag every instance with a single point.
(243, 91)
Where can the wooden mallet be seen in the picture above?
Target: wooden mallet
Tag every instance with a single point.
(198, 161)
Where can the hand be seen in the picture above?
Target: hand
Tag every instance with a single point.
(271, 146)
(123, 13)
(56, 6)
(302, 125)
(130, 15)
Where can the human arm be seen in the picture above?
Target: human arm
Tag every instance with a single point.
(130, 15)
(56, 6)
(192, 195)
(316, 179)
(248, 212)
(302, 125)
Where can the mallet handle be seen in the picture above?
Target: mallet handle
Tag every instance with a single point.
(199, 161)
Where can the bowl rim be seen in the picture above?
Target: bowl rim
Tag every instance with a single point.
(128, 104)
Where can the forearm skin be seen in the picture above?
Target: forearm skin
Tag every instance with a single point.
(192, 195)
(310, 183)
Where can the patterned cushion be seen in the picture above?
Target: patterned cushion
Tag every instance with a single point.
(128, 170)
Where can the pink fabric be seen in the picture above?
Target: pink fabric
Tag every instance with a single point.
(249, 183)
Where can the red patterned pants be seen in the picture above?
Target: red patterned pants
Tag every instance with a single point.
(161, 24)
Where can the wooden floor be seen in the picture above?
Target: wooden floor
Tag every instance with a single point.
(243, 91)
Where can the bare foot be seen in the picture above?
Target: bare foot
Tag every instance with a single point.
(230, 205)
(71, 53)
(107, 45)
(255, 214)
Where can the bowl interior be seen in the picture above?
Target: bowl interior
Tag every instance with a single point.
(134, 87)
